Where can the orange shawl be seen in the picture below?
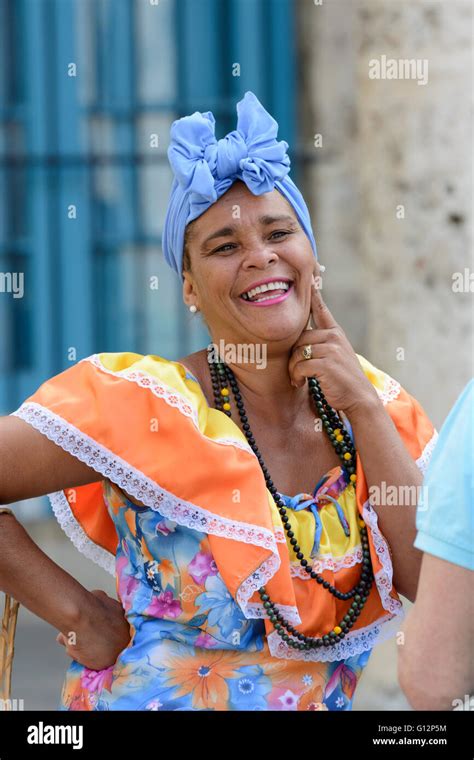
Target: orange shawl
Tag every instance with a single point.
(143, 422)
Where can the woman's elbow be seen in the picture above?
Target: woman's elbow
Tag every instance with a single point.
(421, 687)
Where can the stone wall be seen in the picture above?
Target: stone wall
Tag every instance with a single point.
(390, 189)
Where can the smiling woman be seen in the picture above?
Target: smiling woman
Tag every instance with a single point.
(231, 502)
(231, 267)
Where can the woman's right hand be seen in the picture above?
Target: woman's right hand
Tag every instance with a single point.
(102, 633)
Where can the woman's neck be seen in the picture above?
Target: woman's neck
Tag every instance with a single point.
(266, 389)
(269, 391)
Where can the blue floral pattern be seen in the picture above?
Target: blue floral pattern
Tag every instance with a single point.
(192, 648)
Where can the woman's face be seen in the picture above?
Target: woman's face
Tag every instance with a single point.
(240, 241)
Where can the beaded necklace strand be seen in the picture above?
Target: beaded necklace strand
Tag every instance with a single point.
(222, 377)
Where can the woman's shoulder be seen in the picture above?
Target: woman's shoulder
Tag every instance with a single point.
(408, 415)
(387, 387)
(151, 370)
(196, 364)
(127, 361)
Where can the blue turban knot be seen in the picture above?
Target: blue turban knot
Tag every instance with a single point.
(204, 168)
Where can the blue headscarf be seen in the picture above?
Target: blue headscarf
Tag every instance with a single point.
(204, 168)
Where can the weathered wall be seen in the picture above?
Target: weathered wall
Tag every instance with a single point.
(393, 147)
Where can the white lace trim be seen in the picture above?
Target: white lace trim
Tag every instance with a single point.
(354, 643)
(137, 484)
(255, 581)
(424, 459)
(169, 395)
(247, 588)
(383, 578)
(144, 380)
(291, 613)
(75, 532)
(280, 536)
(390, 391)
(329, 562)
(234, 442)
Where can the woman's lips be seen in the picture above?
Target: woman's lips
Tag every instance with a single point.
(267, 300)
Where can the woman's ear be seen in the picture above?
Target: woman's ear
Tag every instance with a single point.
(316, 278)
(189, 294)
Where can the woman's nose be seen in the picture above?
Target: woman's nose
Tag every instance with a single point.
(259, 256)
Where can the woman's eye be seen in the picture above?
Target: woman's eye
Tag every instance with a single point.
(230, 246)
(218, 250)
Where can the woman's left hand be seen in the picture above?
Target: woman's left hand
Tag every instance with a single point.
(333, 363)
(102, 632)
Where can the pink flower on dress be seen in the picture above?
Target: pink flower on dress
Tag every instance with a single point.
(95, 680)
(165, 527)
(164, 605)
(154, 705)
(205, 641)
(201, 567)
(289, 700)
(283, 698)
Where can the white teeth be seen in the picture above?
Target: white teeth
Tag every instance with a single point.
(277, 285)
(266, 298)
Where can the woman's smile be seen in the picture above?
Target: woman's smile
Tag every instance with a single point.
(268, 292)
(263, 258)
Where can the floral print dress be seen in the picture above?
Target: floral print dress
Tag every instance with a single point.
(188, 566)
(192, 647)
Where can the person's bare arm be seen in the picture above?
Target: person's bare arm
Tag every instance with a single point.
(386, 460)
(435, 663)
(92, 622)
(31, 465)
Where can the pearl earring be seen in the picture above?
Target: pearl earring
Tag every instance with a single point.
(193, 308)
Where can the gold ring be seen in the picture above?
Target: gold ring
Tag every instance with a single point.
(307, 352)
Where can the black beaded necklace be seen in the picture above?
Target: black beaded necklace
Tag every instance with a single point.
(221, 377)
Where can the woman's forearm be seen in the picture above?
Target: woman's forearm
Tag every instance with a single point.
(388, 468)
(436, 671)
(34, 580)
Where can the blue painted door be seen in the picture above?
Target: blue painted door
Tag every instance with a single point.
(88, 92)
